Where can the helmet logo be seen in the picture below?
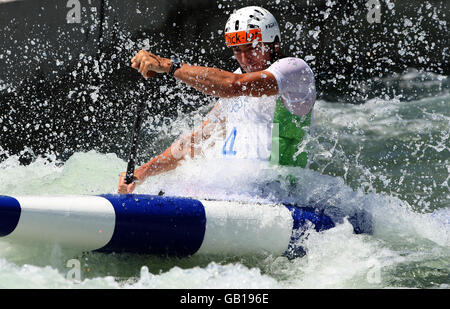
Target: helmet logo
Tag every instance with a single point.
(243, 37)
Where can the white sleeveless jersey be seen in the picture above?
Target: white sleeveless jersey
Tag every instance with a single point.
(248, 127)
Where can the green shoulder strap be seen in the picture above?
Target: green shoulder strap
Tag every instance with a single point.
(287, 135)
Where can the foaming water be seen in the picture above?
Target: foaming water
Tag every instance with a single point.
(335, 258)
(82, 173)
(388, 146)
(387, 157)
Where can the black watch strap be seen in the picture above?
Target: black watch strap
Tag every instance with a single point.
(176, 64)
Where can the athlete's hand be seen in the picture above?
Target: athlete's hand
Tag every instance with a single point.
(123, 187)
(149, 64)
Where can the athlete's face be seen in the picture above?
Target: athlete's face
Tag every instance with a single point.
(253, 58)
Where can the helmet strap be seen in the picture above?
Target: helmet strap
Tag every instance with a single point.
(274, 55)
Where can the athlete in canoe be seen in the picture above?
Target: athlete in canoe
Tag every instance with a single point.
(265, 107)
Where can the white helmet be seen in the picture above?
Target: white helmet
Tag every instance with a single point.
(249, 24)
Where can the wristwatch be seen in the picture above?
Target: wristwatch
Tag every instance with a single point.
(176, 64)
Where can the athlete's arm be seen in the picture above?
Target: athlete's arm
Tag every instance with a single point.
(224, 84)
(172, 156)
(211, 81)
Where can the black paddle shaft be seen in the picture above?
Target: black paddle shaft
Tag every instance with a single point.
(129, 178)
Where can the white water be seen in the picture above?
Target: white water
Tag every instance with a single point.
(336, 258)
(402, 240)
